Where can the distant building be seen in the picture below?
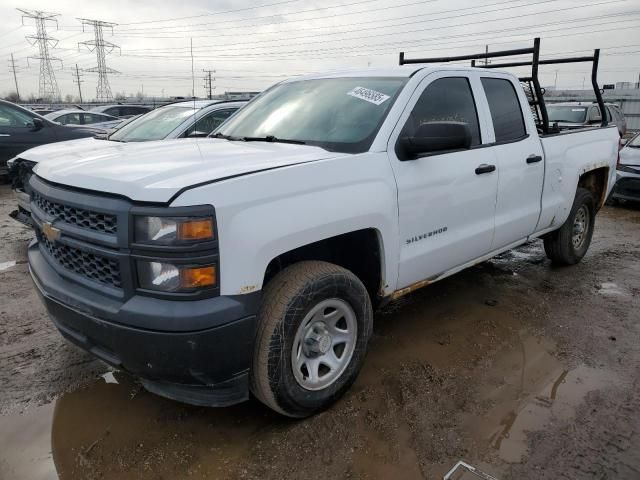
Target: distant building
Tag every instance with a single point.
(626, 85)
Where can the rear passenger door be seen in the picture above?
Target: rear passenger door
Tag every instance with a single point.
(446, 203)
(519, 159)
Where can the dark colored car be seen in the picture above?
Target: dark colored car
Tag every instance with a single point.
(22, 129)
(122, 111)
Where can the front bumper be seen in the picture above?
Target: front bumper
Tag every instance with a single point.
(201, 355)
(627, 186)
(23, 213)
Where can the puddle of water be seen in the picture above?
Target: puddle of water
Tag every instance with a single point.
(537, 391)
(114, 426)
(7, 265)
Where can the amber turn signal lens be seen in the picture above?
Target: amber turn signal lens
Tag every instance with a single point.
(201, 229)
(198, 277)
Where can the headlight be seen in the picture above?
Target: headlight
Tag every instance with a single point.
(167, 277)
(173, 230)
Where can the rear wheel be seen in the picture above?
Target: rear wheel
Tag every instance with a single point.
(313, 328)
(568, 244)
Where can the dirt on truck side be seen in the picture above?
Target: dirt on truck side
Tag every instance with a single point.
(522, 369)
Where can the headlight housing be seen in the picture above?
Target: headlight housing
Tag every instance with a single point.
(173, 230)
(172, 278)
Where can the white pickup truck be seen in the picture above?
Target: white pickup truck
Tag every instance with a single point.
(253, 261)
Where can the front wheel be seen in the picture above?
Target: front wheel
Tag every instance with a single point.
(568, 244)
(313, 328)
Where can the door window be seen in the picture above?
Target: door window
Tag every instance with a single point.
(445, 99)
(11, 117)
(608, 109)
(70, 119)
(210, 122)
(506, 112)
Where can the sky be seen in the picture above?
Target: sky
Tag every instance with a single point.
(252, 44)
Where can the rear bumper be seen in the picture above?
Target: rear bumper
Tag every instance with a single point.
(627, 186)
(204, 366)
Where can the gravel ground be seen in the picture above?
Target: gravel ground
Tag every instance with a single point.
(522, 369)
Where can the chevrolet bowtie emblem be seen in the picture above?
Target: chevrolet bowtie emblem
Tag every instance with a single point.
(51, 232)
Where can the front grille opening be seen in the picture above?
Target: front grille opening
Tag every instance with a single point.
(99, 222)
(92, 266)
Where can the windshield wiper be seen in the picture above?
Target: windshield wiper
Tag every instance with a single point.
(268, 138)
(272, 139)
(226, 137)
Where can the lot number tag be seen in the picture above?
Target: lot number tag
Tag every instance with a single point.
(369, 95)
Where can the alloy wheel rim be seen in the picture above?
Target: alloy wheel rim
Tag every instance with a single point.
(324, 344)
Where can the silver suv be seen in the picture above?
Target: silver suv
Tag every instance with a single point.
(579, 114)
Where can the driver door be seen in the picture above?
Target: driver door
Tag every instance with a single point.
(446, 199)
(17, 133)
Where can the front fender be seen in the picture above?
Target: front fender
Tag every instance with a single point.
(263, 215)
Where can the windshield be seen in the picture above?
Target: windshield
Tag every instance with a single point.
(566, 114)
(155, 125)
(338, 114)
(634, 142)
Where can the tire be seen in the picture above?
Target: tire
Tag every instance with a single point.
(562, 246)
(300, 306)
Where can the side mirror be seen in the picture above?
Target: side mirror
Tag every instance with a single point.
(197, 134)
(37, 124)
(436, 137)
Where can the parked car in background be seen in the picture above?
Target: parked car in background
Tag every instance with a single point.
(82, 117)
(22, 129)
(122, 111)
(43, 111)
(580, 114)
(176, 120)
(627, 185)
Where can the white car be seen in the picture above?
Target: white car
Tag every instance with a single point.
(177, 120)
(82, 117)
(253, 261)
(627, 185)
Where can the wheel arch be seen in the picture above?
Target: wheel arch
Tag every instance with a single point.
(596, 181)
(359, 251)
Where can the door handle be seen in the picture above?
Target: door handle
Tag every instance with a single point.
(534, 158)
(485, 168)
(4, 135)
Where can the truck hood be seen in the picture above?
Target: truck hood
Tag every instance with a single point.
(155, 171)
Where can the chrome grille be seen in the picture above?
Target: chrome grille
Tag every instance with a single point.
(94, 267)
(99, 222)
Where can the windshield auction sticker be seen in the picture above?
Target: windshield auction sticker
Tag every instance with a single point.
(369, 95)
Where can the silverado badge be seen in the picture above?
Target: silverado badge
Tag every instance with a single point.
(52, 233)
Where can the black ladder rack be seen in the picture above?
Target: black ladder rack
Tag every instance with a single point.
(531, 84)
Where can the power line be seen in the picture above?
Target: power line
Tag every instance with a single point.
(350, 24)
(48, 86)
(382, 47)
(102, 48)
(278, 18)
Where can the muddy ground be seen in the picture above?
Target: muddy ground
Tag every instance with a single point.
(524, 370)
